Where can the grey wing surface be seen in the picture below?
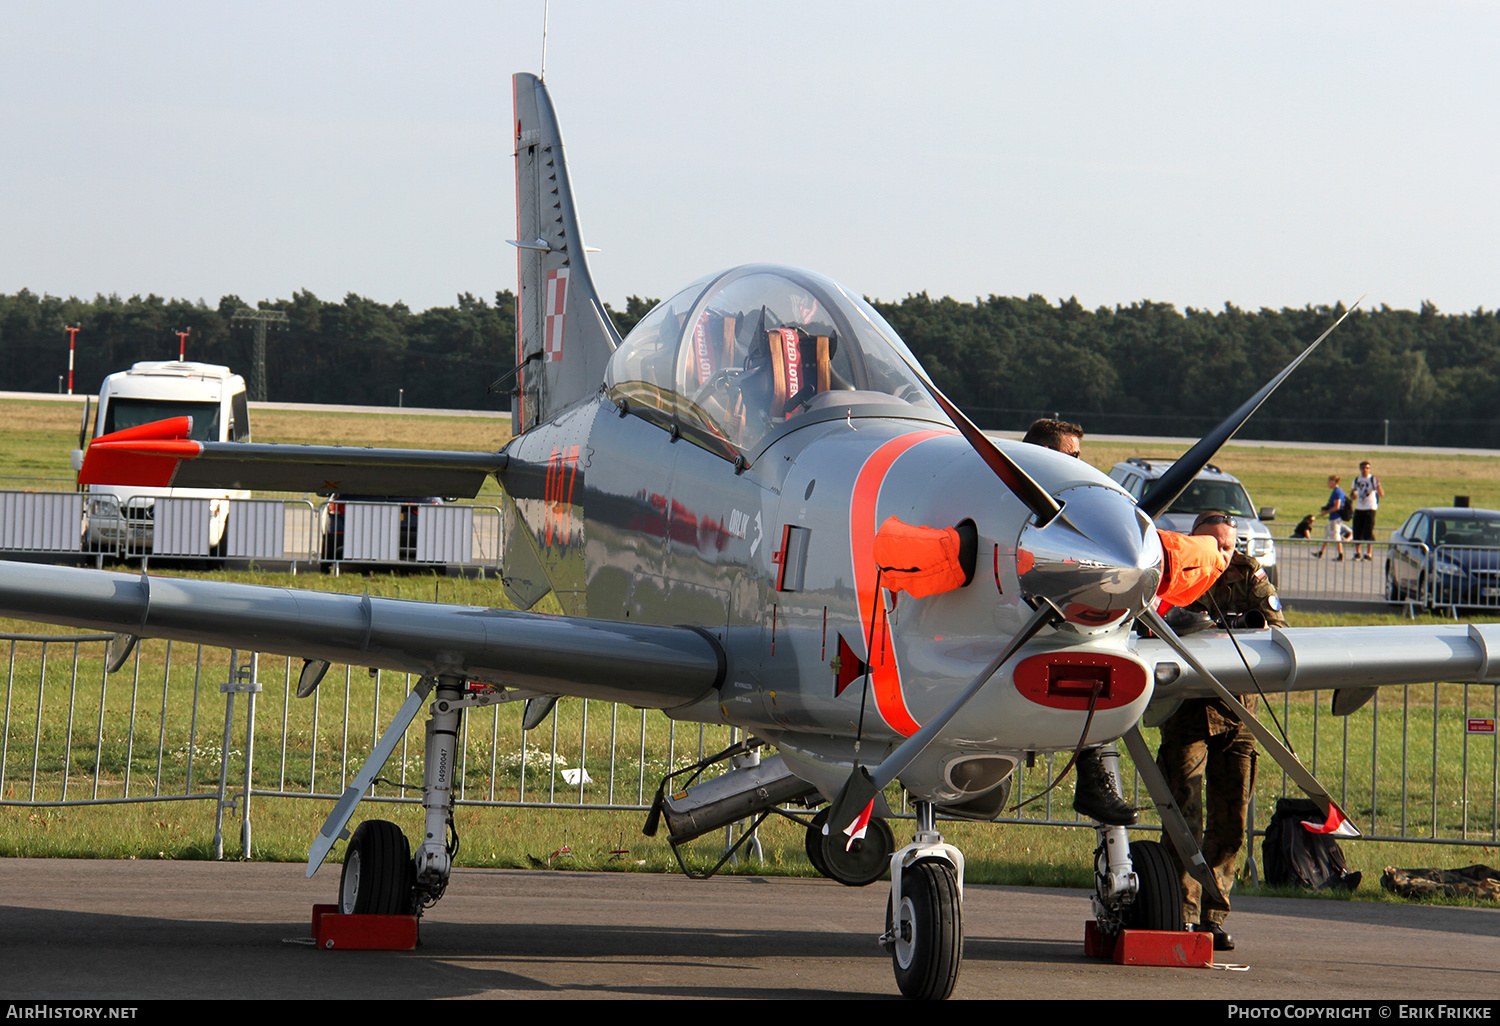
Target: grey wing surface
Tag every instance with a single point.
(1327, 658)
(640, 664)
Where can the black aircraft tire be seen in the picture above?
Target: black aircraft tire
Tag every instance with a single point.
(926, 954)
(379, 877)
(1158, 901)
(813, 843)
(860, 867)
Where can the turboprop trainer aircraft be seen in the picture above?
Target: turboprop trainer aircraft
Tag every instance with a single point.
(756, 510)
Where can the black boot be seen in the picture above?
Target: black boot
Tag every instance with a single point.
(1222, 940)
(1095, 795)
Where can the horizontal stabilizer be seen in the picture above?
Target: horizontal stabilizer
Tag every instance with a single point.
(160, 455)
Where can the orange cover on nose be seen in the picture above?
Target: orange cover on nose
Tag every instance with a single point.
(918, 560)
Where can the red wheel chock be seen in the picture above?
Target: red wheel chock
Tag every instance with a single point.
(1150, 947)
(332, 931)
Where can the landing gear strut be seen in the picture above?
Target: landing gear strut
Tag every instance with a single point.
(1136, 886)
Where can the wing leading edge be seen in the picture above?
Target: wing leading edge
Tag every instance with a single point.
(639, 664)
(1328, 658)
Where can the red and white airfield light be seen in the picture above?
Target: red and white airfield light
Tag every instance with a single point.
(72, 339)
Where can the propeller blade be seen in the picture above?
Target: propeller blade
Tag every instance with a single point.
(1335, 821)
(1021, 484)
(1171, 484)
(862, 786)
(1006, 469)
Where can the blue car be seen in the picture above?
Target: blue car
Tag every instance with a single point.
(1446, 556)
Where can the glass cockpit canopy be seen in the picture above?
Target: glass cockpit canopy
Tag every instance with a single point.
(739, 354)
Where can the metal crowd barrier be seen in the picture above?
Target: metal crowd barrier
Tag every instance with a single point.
(1305, 569)
(396, 533)
(285, 530)
(277, 530)
(1445, 577)
(1460, 577)
(1418, 766)
(148, 734)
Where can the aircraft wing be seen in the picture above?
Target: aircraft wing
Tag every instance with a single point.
(160, 455)
(1327, 658)
(639, 664)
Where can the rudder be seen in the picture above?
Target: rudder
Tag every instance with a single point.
(564, 337)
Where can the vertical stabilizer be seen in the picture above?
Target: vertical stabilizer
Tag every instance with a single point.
(564, 337)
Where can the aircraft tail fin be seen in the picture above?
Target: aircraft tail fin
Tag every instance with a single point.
(564, 336)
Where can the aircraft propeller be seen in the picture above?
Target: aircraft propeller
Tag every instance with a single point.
(1122, 557)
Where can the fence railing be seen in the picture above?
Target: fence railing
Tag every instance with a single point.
(1309, 568)
(292, 531)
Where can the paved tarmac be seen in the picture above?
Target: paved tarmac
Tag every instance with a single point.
(72, 930)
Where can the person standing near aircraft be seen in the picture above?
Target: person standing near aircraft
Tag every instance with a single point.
(1056, 434)
(1096, 794)
(1334, 512)
(1204, 739)
(1367, 493)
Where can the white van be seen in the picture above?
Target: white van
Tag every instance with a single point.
(150, 391)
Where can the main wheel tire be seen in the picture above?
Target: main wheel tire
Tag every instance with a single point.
(379, 877)
(813, 843)
(1158, 899)
(928, 931)
(857, 866)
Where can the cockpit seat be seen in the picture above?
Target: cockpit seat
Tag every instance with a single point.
(801, 368)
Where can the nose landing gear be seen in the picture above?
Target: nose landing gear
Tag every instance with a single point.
(924, 916)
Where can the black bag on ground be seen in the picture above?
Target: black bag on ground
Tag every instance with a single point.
(1296, 857)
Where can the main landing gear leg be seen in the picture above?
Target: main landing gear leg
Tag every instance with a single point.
(379, 873)
(434, 861)
(924, 919)
(1136, 884)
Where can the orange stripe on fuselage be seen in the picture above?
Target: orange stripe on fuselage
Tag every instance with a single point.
(885, 675)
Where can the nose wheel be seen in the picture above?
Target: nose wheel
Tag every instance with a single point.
(926, 931)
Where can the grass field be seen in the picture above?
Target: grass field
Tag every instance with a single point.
(112, 742)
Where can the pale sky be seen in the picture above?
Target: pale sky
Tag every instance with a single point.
(1269, 154)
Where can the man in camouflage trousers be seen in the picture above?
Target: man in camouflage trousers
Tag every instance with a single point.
(1205, 739)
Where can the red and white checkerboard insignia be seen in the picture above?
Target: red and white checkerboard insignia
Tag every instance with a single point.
(555, 312)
